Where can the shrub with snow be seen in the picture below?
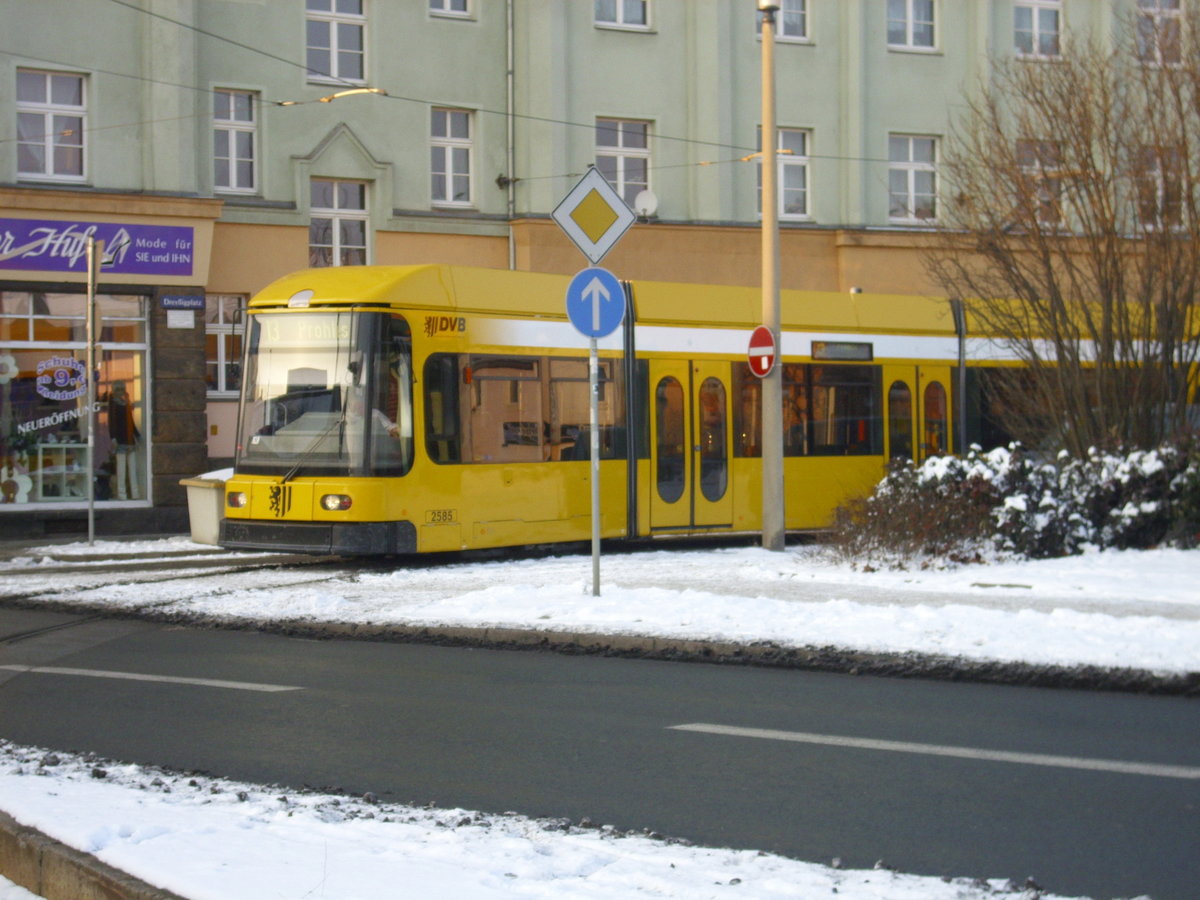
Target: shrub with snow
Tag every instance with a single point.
(1009, 502)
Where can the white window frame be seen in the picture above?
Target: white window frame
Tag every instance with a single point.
(911, 169)
(49, 111)
(451, 9)
(622, 153)
(229, 129)
(451, 155)
(1156, 171)
(337, 215)
(1041, 165)
(619, 16)
(336, 19)
(790, 163)
(1036, 8)
(909, 18)
(1161, 16)
(223, 326)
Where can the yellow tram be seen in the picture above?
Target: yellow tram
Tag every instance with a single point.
(415, 409)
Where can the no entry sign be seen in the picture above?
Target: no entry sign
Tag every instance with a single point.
(762, 351)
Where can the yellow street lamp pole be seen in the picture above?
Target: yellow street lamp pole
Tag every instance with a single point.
(772, 388)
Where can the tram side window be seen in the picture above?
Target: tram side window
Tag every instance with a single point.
(747, 404)
(493, 408)
(568, 428)
(845, 403)
(827, 411)
(504, 408)
(796, 404)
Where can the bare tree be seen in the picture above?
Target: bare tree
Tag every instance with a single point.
(1071, 229)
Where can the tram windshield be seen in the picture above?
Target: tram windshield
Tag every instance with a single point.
(326, 393)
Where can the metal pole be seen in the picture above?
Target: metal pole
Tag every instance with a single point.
(594, 433)
(95, 252)
(772, 388)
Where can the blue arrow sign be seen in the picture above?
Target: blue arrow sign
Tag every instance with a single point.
(595, 302)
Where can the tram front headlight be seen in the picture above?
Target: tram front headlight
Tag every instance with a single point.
(335, 502)
(235, 499)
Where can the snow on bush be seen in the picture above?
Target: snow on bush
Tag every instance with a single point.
(1009, 502)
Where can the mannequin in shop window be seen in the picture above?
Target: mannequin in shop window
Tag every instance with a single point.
(124, 436)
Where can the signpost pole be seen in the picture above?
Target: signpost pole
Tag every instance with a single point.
(95, 252)
(773, 520)
(594, 437)
(594, 217)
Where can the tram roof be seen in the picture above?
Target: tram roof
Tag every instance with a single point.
(465, 289)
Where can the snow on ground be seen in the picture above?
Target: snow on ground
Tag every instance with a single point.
(1113, 609)
(208, 838)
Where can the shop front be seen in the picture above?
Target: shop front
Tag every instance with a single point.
(146, 418)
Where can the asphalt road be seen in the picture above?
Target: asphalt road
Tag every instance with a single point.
(1095, 794)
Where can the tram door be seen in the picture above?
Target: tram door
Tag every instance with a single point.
(918, 411)
(690, 445)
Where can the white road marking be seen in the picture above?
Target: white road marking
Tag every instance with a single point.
(164, 679)
(1028, 759)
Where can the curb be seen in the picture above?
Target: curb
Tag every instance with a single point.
(54, 871)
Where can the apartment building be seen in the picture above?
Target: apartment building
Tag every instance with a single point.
(214, 145)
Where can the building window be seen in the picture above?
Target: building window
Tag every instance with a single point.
(223, 343)
(233, 141)
(450, 157)
(1041, 191)
(335, 40)
(912, 178)
(623, 156)
(793, 163)
(337, 230)
(51, 111)
(791, 21)
(1160, 188)
(1036, 28)
(623, 13)
(461, 8)
(911, 24)
(1159, 26)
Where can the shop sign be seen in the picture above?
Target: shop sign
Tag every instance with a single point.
(61, 378)
(52, 245)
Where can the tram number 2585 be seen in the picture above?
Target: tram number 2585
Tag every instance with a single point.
(440, 516)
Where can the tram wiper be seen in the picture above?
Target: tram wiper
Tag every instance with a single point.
(311, 448)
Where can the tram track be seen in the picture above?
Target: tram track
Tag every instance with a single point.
(76, 578)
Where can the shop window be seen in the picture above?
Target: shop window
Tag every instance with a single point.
(44, 417)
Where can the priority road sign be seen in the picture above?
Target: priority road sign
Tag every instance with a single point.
(762, 351)
(595, 302)
(593, 215)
